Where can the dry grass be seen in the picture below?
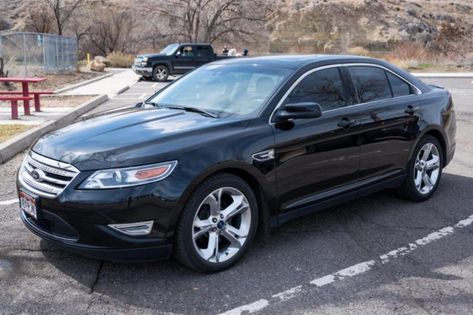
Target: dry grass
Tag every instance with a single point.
(121, 60)
(8, 131)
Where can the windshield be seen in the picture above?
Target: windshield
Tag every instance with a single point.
(224, 89)
(169, 50)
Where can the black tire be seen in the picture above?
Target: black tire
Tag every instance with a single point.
(408, 189)
(160, 73)
(184, 249)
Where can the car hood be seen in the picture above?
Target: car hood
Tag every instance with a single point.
(130, 136)
(152, 55)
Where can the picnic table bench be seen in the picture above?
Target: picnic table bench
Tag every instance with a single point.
(26, 94)
(14, 103)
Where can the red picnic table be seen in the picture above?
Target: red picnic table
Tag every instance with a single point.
(25, 92)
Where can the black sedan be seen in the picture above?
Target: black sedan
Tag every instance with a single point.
(231, 148)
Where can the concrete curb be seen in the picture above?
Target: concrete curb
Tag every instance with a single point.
(74, 86)
(443, 75)
(120, 91)
(12, 147)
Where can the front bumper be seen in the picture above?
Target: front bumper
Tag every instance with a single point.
(144, 71)
(71, 244)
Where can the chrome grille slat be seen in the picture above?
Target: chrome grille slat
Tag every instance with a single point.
(46, 184)
(50, 169)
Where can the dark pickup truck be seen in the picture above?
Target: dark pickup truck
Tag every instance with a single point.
(174, 59)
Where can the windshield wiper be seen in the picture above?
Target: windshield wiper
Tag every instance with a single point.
(190, 109)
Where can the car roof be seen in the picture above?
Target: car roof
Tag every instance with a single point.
(295, 61)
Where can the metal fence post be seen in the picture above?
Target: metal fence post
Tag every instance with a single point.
(24, 55)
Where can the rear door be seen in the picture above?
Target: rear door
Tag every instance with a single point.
(389, 117)
(317, 158)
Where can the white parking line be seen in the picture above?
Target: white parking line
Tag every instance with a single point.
(154, 85)
(352, 270)
(8, 202)
(142, 95)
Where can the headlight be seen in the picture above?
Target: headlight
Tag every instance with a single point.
(128, 176)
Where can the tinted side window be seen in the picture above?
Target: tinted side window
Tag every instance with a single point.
(323, 87)
(371, 83)
(203, 51)
(398, 86)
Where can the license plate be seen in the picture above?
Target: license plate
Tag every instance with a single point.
(28, 204)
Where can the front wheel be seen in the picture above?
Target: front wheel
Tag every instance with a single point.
(217, 225)
(160, 73)
(424, 171)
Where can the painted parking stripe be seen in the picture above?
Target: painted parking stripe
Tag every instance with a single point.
(351, 271)
(8, 202)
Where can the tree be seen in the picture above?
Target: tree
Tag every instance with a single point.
(39, 20)
(211, 20)
(62, 11)
(112, 31)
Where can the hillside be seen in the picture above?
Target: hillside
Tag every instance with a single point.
(335, 25)
(329, 25)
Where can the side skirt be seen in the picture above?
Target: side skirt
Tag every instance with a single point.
(336, 200)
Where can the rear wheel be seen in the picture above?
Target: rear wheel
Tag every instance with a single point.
(425, 170)
(160, 73)
(217, 225)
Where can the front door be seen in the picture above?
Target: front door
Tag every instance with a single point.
(184, 59)
(317, 158)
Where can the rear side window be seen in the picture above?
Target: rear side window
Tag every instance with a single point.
(324, 87)
(399, 87)
(203, 51)
(371, 83)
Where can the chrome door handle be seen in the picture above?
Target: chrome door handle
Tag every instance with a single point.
(410, 110)
(346, 123)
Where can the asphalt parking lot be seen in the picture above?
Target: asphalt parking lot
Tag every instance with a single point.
(376, 255)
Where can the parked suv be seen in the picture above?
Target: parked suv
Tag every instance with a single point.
(233, 147)
(174, 59)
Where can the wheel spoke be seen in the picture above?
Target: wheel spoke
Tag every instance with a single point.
(213, 203)
(234, 242)
(236, 207)
(203, 230)
(234, 231)
(427, 182)
(418, 179)
(433, 163)
(209, 252)
(427, 149)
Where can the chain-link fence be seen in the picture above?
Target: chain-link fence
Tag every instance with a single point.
(28, 54)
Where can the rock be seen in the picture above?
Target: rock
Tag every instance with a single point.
(103, 60)
(94, 65)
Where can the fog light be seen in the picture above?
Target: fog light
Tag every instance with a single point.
(133, 229)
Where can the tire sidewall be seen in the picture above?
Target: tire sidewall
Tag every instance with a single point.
(187, 221)
(417, 195)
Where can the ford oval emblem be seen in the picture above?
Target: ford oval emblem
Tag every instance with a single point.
(38, 175)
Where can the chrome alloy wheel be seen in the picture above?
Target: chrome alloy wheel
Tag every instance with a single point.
(427, 168)
(161, 73)
(221, 224)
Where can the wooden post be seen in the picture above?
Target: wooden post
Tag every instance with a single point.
(14, 109)
(37, 105)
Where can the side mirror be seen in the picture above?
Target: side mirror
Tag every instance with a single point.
(303, 110)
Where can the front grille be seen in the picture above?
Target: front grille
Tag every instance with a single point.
(44, 176)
